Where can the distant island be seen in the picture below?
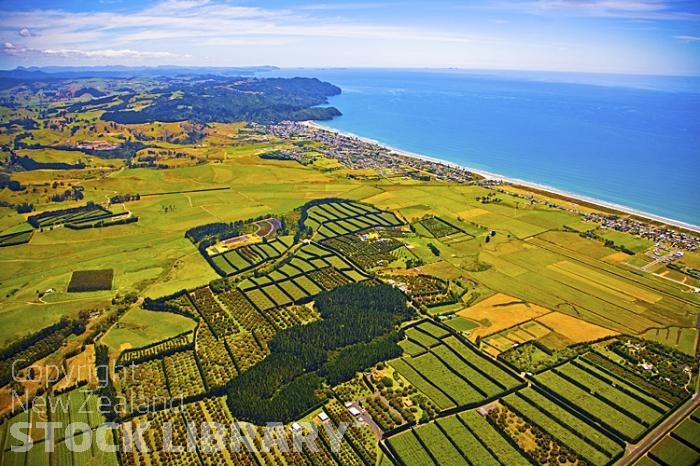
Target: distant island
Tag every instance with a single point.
(209, 99)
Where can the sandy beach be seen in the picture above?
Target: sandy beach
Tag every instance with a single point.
(572, 197)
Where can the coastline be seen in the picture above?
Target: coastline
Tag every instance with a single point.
(517, 182)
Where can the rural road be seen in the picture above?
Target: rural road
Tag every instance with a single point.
(639, 449)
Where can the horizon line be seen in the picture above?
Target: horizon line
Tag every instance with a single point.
(414, 68)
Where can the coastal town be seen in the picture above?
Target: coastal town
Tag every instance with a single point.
(359, 154)
(656, 233)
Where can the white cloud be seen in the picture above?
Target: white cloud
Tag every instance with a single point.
(224, 42)
(108, 53)
(687, 38)
(200, 21)
(630, 9)
(25, 32)
(11, 49)
(479, 33)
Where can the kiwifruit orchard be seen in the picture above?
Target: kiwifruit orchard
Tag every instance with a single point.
(446, 320)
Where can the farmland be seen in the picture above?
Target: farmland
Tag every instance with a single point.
(367, 250)
(441, 370)
(621, 407)
(75, 216)
(427, 290)
(447, 370)
(247, 257)
(594, 445)
(331, 219)
(580, 411)
(136, 330)
(521, 340)
(554, 331)
(310, 270)
(500, 312)
(682, 339)
(469, 431)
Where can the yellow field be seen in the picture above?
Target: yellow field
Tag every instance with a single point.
(616, 257)
(576, 330)
(500, 312)
(519, 336)
(500, 343)
(471, 213)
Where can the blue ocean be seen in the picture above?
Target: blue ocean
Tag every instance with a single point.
(629, 140)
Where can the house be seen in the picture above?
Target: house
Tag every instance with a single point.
(296, 427)
(354, 411)
(323, 416)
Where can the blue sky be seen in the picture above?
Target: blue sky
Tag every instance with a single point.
(614, 36)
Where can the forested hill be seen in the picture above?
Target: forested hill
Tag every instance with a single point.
(217, 99)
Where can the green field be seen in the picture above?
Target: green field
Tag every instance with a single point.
(682, 339)
(423, 339)
(672, 451)
(461, 324)
(440, 446)
(249, 256)
(466, 441)
(448, 371)
(630, 242)
(411, 348)
(600, 401)
(570, 430)
(407, 446)
(136, 329)
(502, 449)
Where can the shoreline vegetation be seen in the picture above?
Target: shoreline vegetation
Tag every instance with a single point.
(536, 188)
